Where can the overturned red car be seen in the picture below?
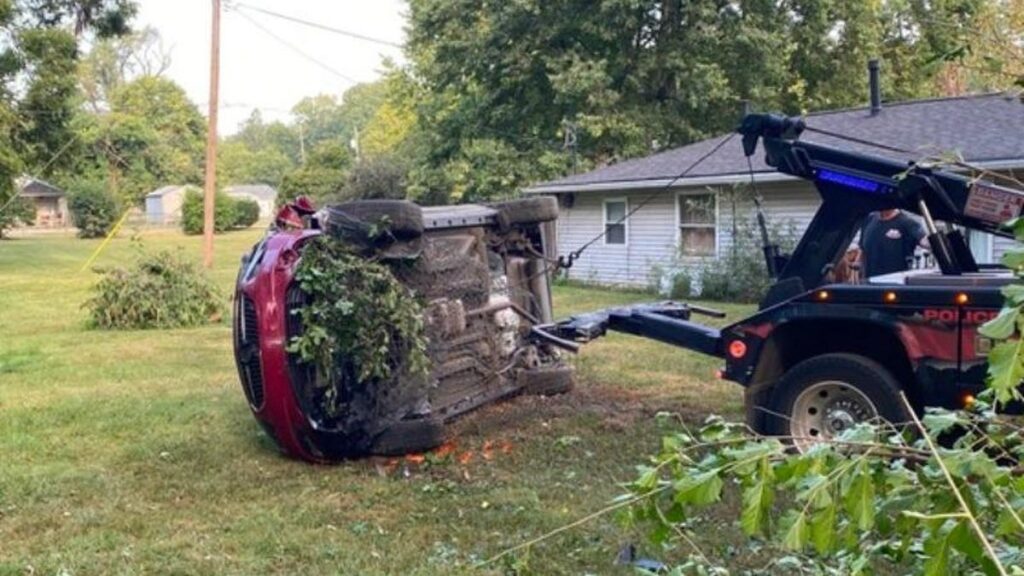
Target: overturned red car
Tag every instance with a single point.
(482, 275)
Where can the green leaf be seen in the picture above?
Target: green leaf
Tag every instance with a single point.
(823, 529)
(701, 489)
(963, 539)
(1014, 260)
(1014, 294)
(757, 502)
(815, 488)
(937, 548)
(938, 421)
(647, 480)
(1003, 326)
(798, 533)
(859, 498)
(1005, 369)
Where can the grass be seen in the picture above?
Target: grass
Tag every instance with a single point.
(134, 452)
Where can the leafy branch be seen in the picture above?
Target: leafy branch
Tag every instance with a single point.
(359, 322)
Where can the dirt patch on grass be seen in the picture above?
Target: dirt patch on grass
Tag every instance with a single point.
(613, 409)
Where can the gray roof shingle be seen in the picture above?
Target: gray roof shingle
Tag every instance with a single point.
(35, 188)
(981, 128)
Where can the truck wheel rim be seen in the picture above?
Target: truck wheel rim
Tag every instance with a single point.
(827, 409)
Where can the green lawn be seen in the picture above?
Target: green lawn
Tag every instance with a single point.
(134, 452)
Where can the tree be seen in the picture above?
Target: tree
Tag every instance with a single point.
(37, 86)
(380, 177)
(153, 135)
(539, 80)
(225, 217)
(93, 208)
(237, 163)
(113, 62)
(322, 177)
(329, 118)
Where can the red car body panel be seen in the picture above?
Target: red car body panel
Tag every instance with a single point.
(265, 286)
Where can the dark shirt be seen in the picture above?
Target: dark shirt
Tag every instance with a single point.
(888, 245)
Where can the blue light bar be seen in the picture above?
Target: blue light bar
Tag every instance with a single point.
(850, 181)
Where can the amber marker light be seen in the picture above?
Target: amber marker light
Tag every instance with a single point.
(889, 297)
(823, 295)
(968, 400)
(961, 299)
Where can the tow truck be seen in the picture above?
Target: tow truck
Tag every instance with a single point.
(818, 357)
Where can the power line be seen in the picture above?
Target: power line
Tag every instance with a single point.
(316, 25)
(296, 49)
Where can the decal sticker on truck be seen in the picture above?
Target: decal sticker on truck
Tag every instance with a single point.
(992, 203)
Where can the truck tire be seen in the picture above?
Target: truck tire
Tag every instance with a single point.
(825, 395)
(409, 437)
(526, 211)
(404, 218)
(547, 381)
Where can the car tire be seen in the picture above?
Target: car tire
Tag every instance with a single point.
(409, 437)
(526, 211)
(824, 395)
(404, 218)
(547, 381)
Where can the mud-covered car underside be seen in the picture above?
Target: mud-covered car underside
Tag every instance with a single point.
(482, 277)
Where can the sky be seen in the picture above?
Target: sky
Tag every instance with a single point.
(259, 71)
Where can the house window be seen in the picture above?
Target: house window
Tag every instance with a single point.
(615, 221)
(698, 224)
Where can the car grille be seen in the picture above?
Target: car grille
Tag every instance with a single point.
(247, 351)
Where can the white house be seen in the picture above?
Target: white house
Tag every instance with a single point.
(689, 221)
(263, 194)
(163, 205)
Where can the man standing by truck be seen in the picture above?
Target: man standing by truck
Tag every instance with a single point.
(887, 240)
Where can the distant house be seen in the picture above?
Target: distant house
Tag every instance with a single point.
(263, 194)
(687, 222)
(163, 205)
(50, 202)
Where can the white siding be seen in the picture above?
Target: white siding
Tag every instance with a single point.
(652, 232)
(1001, 246)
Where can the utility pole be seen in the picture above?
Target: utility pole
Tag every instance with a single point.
(211, 140)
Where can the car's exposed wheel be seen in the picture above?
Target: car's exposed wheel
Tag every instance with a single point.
(409, 437)
(820, 398)
(547, 381)
(357, 219)
(526, 211)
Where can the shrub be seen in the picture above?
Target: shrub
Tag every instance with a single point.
(14, 211)
(373, 178)
(682, 286)
(192, 212)
(741, 274)
(161, 290)
(359, 321)
(93, 208)
(247, 212)
(320, 184)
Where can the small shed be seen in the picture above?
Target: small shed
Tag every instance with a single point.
(262, 194)
(163, 205)
(50, 202)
